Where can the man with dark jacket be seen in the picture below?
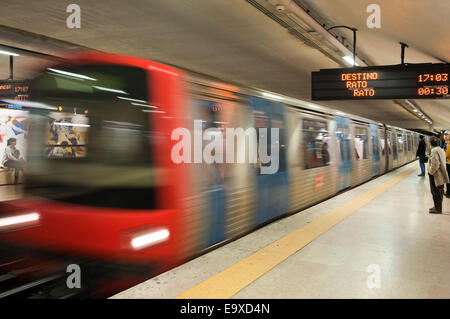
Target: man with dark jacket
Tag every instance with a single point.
(421, 154)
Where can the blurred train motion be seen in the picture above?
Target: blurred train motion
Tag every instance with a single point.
(101, 190)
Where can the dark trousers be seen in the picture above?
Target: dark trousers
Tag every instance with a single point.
(437, 192)
(448, 185)
(17, 166)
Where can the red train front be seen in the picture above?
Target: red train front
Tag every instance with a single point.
(100, 186)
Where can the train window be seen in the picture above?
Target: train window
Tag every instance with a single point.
(98, 144)
(92, 80)
(66, 135)
(315, 143)
(375, 143)
(382, 142)
(408, 138)
(394, 145)
(400, 142)
(109, 112)
(361, 143)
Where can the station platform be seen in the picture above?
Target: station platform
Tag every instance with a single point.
(10, 192)
(374, 241)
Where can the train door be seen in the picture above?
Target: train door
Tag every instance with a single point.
(411, 149)
(394, 148)
(400, 147)
(240, 177)
(343, 140)
(361, 161)
(408, 146)
(383, 149)
(389, 150)
(416, 144)
(272, 188)
(211, 176)
(375, 150)
(405, 147)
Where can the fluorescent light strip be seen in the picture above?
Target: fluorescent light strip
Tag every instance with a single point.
(71, 124)
(145, 105)
(349, 59)
(8, 53)
(20, 219)
(274, 96)
(101, 88)
(410, 104)
(150, 239)
(129, 99)
(151, 111)
(30, 104)
(75, 75)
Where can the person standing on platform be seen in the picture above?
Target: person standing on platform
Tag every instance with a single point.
(447, 156)
(437, 172)
(11, 161)
(421, 154)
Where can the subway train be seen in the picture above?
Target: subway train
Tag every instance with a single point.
(102, 189)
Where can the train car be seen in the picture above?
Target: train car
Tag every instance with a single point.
(103, 188)
(98, 190)
(315, 159)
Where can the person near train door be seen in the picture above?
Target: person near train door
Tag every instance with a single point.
(421, 155)
(437, 172)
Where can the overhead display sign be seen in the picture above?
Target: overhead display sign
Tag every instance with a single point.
(15, 90)
(412, 81)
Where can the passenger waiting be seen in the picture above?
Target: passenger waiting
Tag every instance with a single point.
(421, 155)
(438, 175)
(11, 158)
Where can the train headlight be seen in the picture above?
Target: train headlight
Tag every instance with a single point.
(19, 221)
(149, 238)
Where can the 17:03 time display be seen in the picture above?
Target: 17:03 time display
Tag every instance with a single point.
(428, 77)
(441, 90)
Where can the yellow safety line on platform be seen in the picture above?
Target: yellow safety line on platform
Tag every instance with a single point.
(236, 277)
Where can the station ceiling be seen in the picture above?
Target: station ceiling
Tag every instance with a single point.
(233, 40)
